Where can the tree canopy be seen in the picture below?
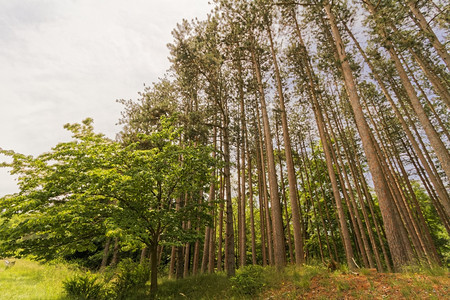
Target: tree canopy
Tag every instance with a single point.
(92, 186)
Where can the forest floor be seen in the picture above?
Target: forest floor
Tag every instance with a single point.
(365, 285)
(31, 280)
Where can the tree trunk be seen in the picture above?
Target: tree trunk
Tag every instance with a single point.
(443, 197)
(326, 148)
(438, 146)
(241, 169)
(230, 263)
(251, 204)
(263, 192)
(381, 188)
(211, 199)
(292, 180)
(283, 194)
(153, 268)
(277, 219)
(143, 255)
(428, 31)
(115, 258)
(262, 195)
(105, 254)
(221, 210)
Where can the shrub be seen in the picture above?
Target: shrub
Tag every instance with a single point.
(130, 278)
(301, 276)
(249, 280)
(84, 287)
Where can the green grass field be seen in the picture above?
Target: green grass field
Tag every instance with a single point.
(31, 280)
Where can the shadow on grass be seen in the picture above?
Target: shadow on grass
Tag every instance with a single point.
(206, 286)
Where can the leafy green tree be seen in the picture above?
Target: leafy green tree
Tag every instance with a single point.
(83, 188)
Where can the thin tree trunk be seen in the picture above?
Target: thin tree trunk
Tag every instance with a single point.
(105, 254)
(212, 250)
(277, 219)
(230, 264)
(292, 180)
(356, 179)
(173, 260)
(143, 255)
(251, 204)
(211, 199)
(283, 194)
(422, 23)
(325, 144)
(241, 169)
(443, 197)
(438, 146)
(115, 258)
(195, 259)
(264, 194)
(221, 210)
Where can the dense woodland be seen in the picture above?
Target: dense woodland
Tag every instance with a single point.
(284, 132)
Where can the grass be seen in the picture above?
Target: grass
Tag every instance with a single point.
(31, 280)
(214, 286)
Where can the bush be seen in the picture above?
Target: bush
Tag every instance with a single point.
(130, 278)
(249, 280)
(84, 287)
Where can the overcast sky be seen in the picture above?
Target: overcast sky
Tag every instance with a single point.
(62, 61)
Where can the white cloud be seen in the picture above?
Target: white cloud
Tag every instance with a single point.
(62, 61)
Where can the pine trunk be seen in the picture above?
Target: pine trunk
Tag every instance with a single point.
(384, 198)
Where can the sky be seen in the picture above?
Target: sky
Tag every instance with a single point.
(62, 61)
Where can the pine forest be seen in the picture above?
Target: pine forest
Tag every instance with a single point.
(286, 132)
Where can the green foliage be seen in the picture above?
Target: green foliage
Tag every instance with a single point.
(438, 232)
(85, 188)
(131, 277)
(302, 277)
(84, 287)
(425, 270)
(249, 280)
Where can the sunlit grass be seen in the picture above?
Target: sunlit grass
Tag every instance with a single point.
(31, 280)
